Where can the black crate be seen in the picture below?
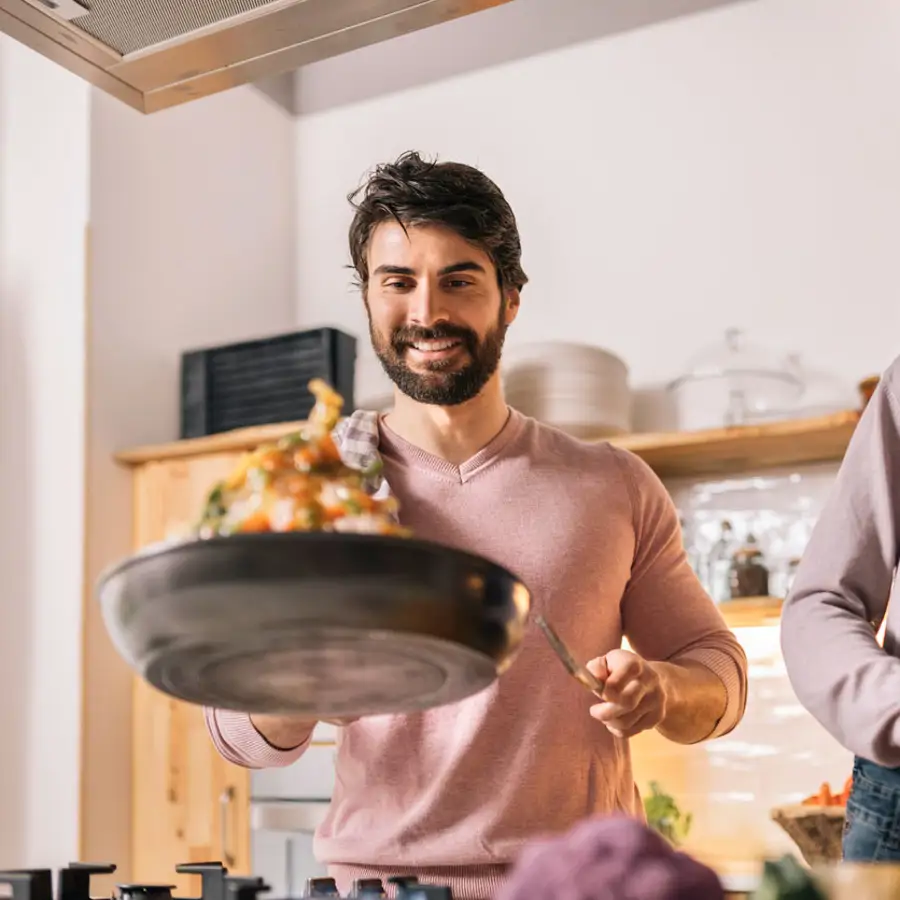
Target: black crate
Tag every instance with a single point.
(264, 381)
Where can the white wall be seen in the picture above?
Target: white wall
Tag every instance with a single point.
(192, 213)
(192, 220)
(43, 214)
(732, 167)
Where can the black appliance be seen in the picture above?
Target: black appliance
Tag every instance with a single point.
(73, 883)
(263, 382)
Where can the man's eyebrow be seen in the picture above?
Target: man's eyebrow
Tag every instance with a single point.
(465, 266)
(393, 270)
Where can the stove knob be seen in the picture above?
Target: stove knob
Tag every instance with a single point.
(368, 888)
(322, 887)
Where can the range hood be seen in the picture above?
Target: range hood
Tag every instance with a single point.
(153, 54)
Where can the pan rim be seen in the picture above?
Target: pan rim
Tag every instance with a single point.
(174, 546)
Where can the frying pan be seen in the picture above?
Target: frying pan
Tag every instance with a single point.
(316, 624)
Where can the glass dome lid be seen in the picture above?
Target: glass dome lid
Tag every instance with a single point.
(736, 356)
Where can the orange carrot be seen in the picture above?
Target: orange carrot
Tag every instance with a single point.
(256, 522)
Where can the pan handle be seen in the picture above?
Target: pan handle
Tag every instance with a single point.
(225, 799)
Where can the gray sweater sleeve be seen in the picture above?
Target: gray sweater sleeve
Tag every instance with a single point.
(828, 631)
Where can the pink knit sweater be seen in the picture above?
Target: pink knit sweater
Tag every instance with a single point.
(453, 793)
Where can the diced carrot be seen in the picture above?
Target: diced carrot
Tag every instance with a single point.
(256, 522)
(271, 459)
(328, 450)
(303, 458)
(297, 486)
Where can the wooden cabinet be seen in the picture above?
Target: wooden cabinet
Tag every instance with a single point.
(189, 805)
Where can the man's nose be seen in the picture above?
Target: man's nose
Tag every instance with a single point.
(426, 305)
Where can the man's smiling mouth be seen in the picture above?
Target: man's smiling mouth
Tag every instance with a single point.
(435, 346)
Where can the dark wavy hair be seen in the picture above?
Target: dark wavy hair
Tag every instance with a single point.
(413, 191)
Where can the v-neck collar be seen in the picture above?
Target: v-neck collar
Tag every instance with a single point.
(396, 447)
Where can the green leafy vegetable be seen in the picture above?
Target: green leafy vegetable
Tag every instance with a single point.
(786, 879)
(664, 816)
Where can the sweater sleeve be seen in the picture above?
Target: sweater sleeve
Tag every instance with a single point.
(666, 614)
(237, 741)
(841, 590)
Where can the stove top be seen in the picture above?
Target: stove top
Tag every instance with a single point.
(73, 883)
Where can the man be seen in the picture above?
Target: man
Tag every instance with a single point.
(451, 794)
(829, 627)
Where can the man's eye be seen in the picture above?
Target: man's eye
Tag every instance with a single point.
(459, 282)
(397, 284)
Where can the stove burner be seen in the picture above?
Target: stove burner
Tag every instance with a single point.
(29, 884)
(215, 884)
(369, 888)
(321, 887)
(37, 884)
(244, 888)
(145, 891)
(75, 881)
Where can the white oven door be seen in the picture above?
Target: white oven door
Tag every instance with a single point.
(282, 844)
(287, 806)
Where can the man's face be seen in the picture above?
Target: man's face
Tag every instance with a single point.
(436, 314)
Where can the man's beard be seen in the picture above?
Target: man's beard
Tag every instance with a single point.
(441, 385)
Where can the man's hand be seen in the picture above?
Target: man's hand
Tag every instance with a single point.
(634, 698)
(289, 732)
(283, 732)
(683, 700)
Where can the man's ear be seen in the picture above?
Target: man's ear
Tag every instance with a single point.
(511, 307)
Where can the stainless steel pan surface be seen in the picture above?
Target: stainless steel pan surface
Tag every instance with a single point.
(318, 624)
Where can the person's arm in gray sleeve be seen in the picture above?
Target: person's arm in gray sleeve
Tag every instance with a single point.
(828, 628)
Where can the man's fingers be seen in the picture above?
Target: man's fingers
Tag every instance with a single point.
(623, 667)
(626, 728)
(613, 714)
(598, 668)
(625, 699)
(620, 659)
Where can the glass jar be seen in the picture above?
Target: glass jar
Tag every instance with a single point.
(748, 574)
(719, 564)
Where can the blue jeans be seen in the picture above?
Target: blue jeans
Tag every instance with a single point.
(872, 828)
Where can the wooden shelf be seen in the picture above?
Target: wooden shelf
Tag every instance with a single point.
(228, 442)
(724, 451)
(719, 451)
(749, 612)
